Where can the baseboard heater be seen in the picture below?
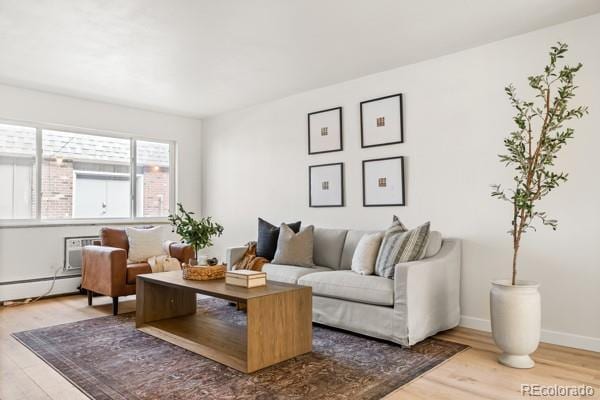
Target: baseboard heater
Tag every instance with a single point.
(31, 288)
(34, 280)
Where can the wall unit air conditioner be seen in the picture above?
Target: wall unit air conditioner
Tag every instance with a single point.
(73, 248)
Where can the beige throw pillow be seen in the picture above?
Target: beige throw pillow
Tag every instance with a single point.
(295, 248)
(164, 263)
(365, 254)
(434, 244)
(144, 243)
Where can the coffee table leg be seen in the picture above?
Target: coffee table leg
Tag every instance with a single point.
(279, 327)
(155, 302)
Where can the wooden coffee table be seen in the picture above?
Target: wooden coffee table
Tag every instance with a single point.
(279, 319)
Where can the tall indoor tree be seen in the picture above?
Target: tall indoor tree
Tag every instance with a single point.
(532, 148)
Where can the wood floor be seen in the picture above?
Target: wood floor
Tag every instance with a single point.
(473, 374)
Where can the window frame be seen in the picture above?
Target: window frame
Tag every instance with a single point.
(133, 218)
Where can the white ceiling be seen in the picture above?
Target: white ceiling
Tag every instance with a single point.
(201, 57)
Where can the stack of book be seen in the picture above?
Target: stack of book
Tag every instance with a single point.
(246, 278)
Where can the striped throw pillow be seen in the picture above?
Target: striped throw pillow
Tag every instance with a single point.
(401, 245)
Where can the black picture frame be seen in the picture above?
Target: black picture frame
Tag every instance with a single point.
(362, 129)
(341, 148)
(342, 191)
(364, 193)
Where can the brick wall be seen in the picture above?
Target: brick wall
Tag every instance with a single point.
(57, 189)
(156, 191)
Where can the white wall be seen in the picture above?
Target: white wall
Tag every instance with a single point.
(456, 115)
(30, 253)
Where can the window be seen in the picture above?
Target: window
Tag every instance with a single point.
(17, 172)
(85, 176)
(82, 176)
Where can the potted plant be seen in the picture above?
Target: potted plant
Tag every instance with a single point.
(531, 150)
(196, 232)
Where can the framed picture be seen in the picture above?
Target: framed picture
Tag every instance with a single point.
(326, 185)
(383, 182)
(325, 131)
(381, 121)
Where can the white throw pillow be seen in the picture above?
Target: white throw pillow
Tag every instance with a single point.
(365, 255)
(144, 243)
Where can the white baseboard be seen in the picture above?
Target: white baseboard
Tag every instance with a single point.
(476, 323)
(23, 290)
(548, 336)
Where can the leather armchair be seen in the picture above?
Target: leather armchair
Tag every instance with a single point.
(105, 270)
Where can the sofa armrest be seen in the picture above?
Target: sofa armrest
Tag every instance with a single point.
(427, 292)
(181, 251)
(104, 269)
(233, 255)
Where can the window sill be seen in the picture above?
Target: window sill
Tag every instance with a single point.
(81, 222)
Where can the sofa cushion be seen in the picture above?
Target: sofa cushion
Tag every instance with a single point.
(348, 285)
(328, 247)
(352, 239)
(133, 270)
(288, 273)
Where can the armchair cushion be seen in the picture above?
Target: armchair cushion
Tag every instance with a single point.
(133, 270)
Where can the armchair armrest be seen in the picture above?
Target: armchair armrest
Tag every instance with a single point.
(233, 255)
(427, 293)
(181, 251)
(104, 269)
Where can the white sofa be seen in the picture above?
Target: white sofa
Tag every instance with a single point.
(421, 300)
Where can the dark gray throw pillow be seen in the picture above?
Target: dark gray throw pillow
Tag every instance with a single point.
(266, 243)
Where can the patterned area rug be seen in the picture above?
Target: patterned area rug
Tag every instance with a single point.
(107, 358)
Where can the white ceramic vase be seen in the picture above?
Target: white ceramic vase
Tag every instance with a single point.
(516, 321)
